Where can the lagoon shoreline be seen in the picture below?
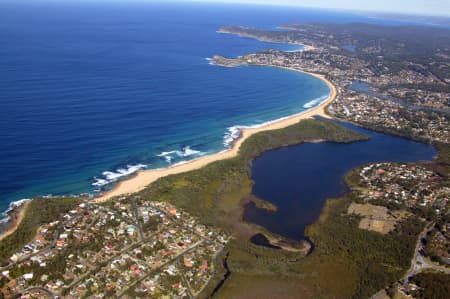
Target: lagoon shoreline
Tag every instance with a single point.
(144, 178)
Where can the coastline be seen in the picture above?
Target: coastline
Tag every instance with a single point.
(144, 178)
(15, 218)
(268, 40)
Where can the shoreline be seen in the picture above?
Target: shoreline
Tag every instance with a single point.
(144, 178)
(264, 40)
(15, 218)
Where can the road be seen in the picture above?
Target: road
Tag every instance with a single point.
(419, 262)
(186, 282)
(93, 269)
(138, 223)
(159, 267)
(214, 263)
(43, 250)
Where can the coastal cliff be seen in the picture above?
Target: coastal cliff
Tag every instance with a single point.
(261, 35)
(227, 62)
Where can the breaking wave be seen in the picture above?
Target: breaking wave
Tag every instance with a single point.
(12, 205)
(111, 176)
(186, 151)
(233, 133)
(315, 102)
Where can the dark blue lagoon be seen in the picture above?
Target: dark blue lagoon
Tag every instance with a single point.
(298, 179)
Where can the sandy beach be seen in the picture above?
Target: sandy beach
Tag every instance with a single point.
(143, 178)
(16, 218)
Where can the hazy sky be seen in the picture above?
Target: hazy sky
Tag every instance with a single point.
(421, 7)
(416, 7)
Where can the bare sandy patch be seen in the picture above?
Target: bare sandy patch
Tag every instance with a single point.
(376, 218)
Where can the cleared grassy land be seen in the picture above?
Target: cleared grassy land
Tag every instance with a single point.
(375, 218)
(348, 262)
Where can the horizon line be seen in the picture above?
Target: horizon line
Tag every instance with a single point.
(238, 2)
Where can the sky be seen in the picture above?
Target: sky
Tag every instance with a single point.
(412, 7)
(418, 7)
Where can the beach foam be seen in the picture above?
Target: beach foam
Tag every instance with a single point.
(12, 205)
(299, 49)
(315, 102)
(235, 132)
(186, 151)
(111, 176)
(167, 156)
(231, 135)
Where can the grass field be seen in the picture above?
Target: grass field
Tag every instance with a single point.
(375, 218)
(347, 262)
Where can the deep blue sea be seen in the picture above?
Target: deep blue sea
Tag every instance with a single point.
(90, 92)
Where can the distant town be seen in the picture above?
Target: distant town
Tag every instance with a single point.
(409, 97)
(386, 85)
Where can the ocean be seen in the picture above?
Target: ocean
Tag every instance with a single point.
(92, 92)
